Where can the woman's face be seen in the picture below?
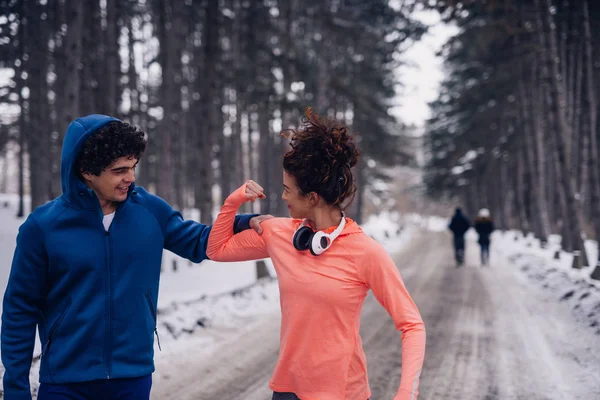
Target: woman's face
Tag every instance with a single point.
(299, 205)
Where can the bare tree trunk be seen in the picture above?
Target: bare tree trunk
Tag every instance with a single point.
(529, 150)
(552, 187)
(113, 62)
(147, 167)
(322, 85)
(593, 121)
(360, 171)
(265, 158)
(236, 161)
(287, 112)
(133, 74)
(521, 189)
(507, 195)
(177, 132)
(22, 116)
(276, 172)
(68, 68)
(3, 168)
(209, 112)
(225, 174)
(237, 147)
(571, 207)
(22, 130)
(497, 195)
(179, 178)
(559, 37)
(73, 51)
(557, 168)
(90, 59)
(572, 65)
(59, 17)
(360, 176)
(579, 136)
(534, 193)
(38, 136)
(169, 96)
(537, 96)
(253, 144)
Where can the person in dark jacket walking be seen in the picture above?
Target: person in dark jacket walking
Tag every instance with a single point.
(86, 272)
(484, 227)
(459, 225)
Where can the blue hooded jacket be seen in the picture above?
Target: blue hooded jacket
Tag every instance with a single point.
(93, 294)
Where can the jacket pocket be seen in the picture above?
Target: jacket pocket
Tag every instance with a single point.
(53, 329)
(153, 315)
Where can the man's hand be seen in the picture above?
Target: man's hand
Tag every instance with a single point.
(255, 222)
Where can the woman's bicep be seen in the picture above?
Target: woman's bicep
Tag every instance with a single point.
(244, 246)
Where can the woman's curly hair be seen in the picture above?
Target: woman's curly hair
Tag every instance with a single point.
(114, 140)
(321, 159)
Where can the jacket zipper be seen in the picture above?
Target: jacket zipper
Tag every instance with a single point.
(109, 300)
(151, 307)
(53, 330)
(109, 284)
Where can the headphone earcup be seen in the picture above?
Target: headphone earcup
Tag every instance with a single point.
(319, 243)
(303, 238)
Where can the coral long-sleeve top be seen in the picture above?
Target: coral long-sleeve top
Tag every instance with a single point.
(321, 355)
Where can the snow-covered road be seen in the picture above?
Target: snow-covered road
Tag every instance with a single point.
(491, 334)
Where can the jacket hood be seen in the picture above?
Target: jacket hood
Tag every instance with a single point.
(77, 134)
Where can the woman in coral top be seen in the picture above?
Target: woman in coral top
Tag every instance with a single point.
(325, 266)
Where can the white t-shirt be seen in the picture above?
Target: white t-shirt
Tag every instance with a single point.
(107, 220)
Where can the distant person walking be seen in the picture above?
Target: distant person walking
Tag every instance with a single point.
(459, 225)
(484, 227)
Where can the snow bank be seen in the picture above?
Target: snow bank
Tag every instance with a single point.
(390, 229)
(564, 283)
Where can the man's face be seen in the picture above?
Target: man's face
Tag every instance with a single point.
(113, 183)
(298, 204)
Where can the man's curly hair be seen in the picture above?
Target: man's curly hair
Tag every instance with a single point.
(114, 140)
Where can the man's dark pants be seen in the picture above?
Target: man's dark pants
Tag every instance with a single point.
(104, 389)
(459, 249)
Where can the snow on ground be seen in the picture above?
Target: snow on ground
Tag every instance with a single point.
(391, 230)
(200, 303)
(566, 284)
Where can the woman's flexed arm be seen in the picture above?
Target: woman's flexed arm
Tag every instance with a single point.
(223, 245)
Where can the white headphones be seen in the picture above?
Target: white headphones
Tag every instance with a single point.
(317, 242)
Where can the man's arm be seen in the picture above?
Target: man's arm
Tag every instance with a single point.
(189, 239)
(186, 238)
(242, 222)
(22, 299)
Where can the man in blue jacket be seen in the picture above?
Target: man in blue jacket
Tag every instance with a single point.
(86, 271)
